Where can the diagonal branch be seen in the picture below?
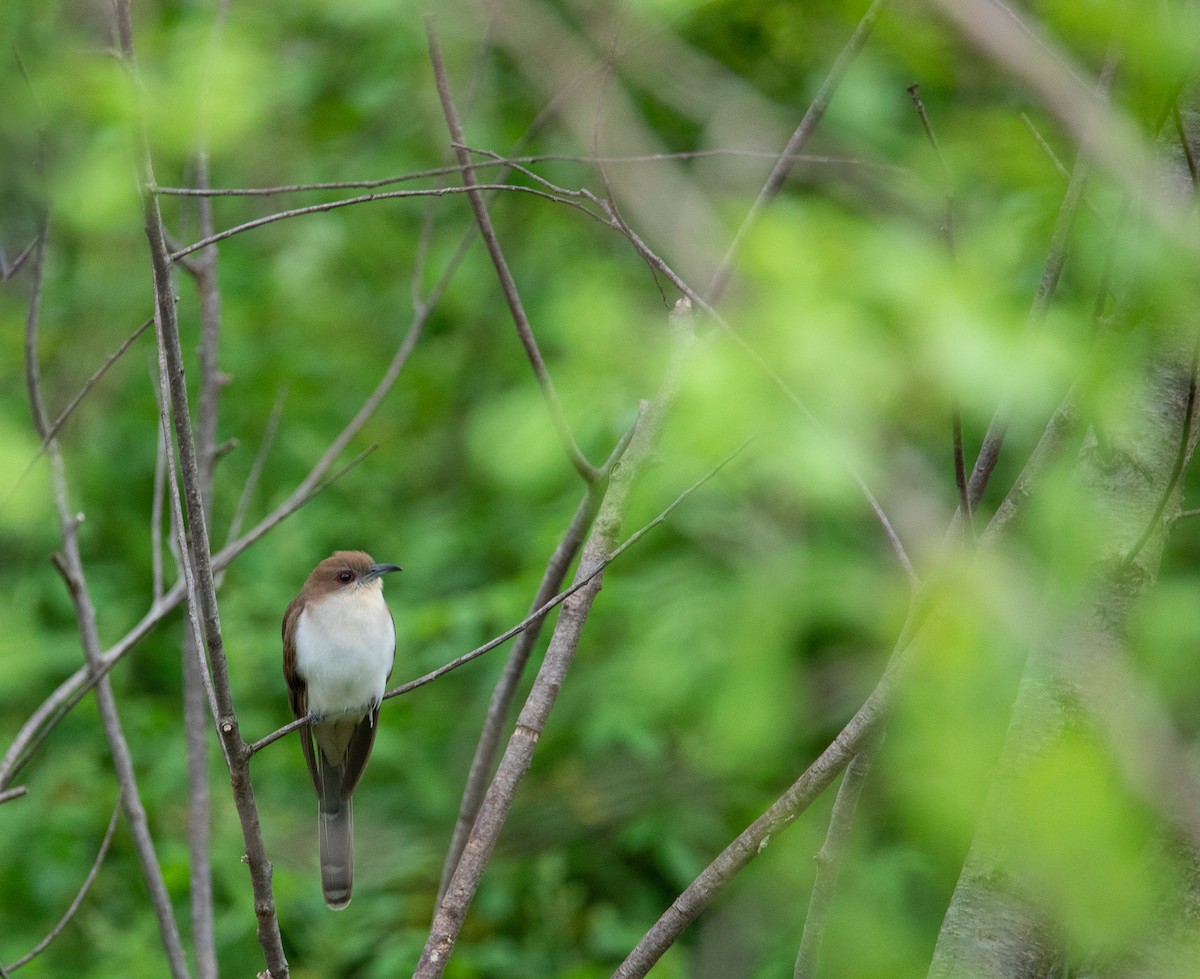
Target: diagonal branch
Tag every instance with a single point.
(866, 722)
(502, 696)
(507, 284)
(657, 263)
(86, 886)
(518, 754)
(786, 159)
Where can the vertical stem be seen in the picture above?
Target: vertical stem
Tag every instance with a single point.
(196, 555)
(70, 565)
(829, 857)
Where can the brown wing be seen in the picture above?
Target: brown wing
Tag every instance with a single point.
(359, 750)
(298, 689)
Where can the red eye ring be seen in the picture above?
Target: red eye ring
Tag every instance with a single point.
(345, 577)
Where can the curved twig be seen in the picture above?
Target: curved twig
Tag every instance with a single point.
(86, 886)
(366, 199)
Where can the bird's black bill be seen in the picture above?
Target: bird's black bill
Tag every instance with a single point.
(380, 569)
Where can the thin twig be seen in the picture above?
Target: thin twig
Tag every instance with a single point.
(866, 721)
(158, 494)
(367, 199)
(9, 269)
(556, 190)
(307, 188)
(914, 92)
(197, 684)
(1058, 165)
(86, 886)
(256, 468)
(502, 696)
(457, 168)
(508, 284)
(1045, 147)
(829, 857)
(783, 165)
(993, 440)
(956, 426)
(8, 795)
(92, 381)
(66, 413)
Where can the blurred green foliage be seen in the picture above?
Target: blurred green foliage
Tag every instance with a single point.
(731, 644)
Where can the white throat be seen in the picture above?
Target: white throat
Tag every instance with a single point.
(345, 644)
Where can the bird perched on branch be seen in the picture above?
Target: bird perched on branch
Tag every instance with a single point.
(339, 642)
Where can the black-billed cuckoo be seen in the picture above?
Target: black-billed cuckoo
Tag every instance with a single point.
(339, 642)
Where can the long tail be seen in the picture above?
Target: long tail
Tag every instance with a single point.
(336, 830)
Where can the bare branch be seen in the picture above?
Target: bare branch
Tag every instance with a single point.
(508, 285)
(54, 427)
(515, 162)
(70, 565)
(9, 795)
(9, 269)
(914, 92)
(783, 166)
(829, 857)
(518, 755)
(1062, 170)
(158, 494)
(197, 684)
(365, 199)
(506, 688)
(195, 552)
(755, 838)
(86, 886)
(993, 440)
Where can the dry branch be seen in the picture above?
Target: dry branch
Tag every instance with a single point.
(518, 754)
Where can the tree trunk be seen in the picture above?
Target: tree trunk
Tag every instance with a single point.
(998, 925)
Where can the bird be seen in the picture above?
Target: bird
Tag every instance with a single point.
(339, 644)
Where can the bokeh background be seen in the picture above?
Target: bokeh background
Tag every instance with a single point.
(731, 644)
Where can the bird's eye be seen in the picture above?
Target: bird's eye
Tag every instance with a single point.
(345, 577)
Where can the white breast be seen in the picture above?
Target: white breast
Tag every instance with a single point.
(344, 650)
